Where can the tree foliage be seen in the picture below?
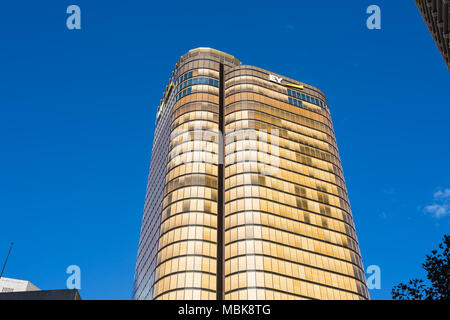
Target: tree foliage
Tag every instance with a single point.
(438, 274)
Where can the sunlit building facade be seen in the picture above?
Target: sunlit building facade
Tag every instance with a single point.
(436, 14)
(246, 197)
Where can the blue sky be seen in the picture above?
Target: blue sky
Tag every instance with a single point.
(78, 111)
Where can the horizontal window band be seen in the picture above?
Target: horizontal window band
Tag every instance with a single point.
(211, 133)
(183, 289)
(189, 112)
(286, 159)
(169, 169)
(237, 91)
(191, 185)
(294, 294)
(280, 136)
(199, 121)
(334, 154)
(201, 154)
(197, 80)
(190, 175)
(250, 109)
(269, 164)
(292, 247)
(186, 104)
(197, 156)
(193, 211)
(263, 151)
(269, 289)
(215, 96)
(183, 240)
(329, 183)
(213, 216)
(287, 261)
(288, 193)
(292, 233)
(293, 220)
(185, 256)
(267, 81)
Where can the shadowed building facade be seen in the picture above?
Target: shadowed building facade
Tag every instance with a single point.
(436, 14)
(260, 212)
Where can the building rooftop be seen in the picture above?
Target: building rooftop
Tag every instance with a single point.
(15, 285)
(65, 294)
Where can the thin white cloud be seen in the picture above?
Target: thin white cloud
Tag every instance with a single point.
(438, 210)
(442, 194)
(441, 204)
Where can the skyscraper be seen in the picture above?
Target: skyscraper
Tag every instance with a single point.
(436, 14)
(258, 212)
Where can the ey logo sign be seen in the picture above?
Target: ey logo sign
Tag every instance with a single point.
(275, 78)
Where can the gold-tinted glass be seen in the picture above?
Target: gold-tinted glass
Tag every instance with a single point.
(187, 249)
(289, 232)
(288, 229)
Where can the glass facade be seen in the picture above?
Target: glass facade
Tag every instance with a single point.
(246, 197)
